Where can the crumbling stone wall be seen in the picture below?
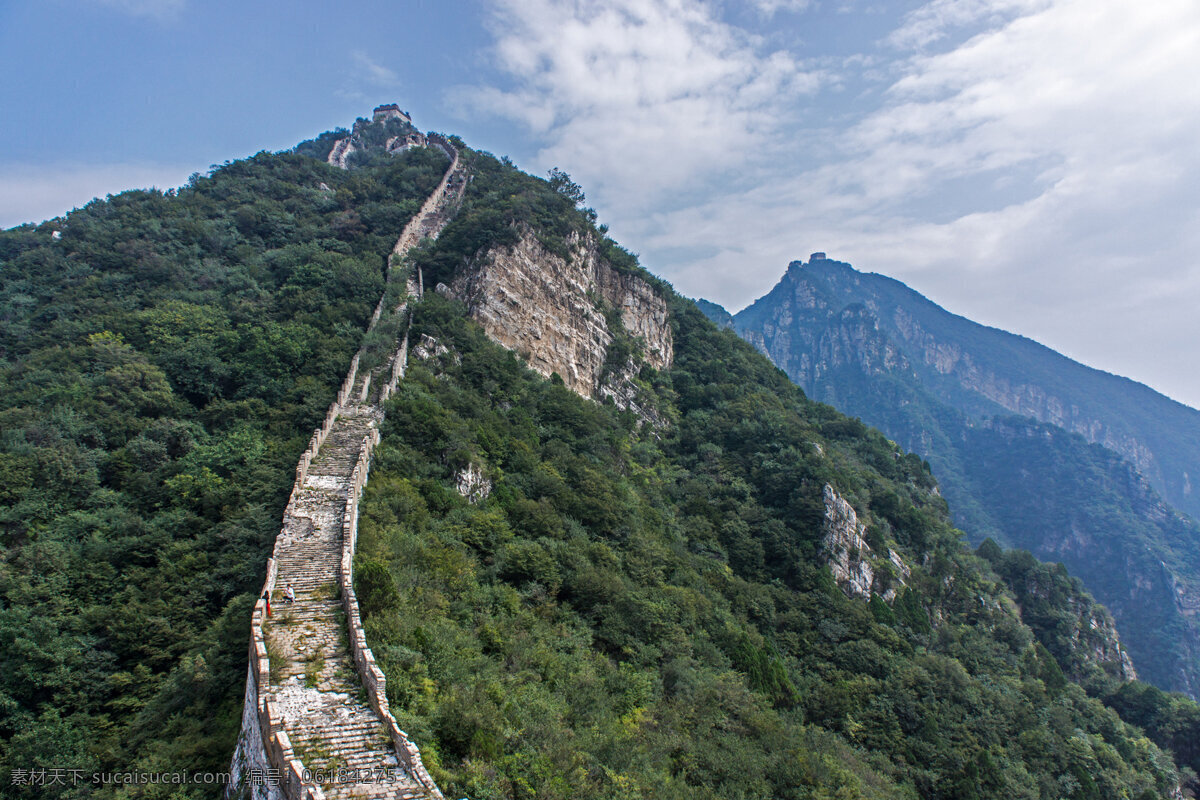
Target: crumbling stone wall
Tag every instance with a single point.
(369, 672)
(263, 742)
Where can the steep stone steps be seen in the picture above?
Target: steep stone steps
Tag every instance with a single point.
(335, 733)
(313, 693)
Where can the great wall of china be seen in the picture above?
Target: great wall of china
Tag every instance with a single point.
(316, 722)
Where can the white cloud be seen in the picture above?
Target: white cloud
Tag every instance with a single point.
(934, 21)
(770, 7)
(1095, 95)
(639, 99)
(157, 9)
(1030, 163)
(1087, 111)
(35, 193)
(372, 71)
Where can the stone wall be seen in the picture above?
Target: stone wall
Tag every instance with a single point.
(442, 143)
(372, 676)
(445, 195)
(321, 433)
(263, 742)
(397, 371)
(342, 149)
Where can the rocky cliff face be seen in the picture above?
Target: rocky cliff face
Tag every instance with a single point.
(811, 354)
(1096, 640)
(1029, 399)
(1104, 643)
(552, 310)
(1078, 631)
(853, 563)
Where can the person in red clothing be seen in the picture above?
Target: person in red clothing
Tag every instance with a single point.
(267, 600)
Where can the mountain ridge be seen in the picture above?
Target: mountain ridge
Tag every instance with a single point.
(1165, 472)
(952, 390)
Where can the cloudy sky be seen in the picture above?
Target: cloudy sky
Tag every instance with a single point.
(1031, 164)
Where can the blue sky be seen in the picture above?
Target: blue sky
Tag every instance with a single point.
(1030, 164)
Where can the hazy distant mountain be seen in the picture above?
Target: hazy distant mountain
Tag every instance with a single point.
(1029, 446)
(716, 313)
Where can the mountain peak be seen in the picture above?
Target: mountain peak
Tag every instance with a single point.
(820, 264)
(937, 382)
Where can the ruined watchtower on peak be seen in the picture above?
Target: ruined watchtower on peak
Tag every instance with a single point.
(390, 111)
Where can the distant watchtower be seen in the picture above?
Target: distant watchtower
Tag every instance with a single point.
(384, 113)
(816, 257)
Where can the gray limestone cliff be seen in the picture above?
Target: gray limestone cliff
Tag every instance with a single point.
(552, 310)
(857, 569)
(1030, 398)
(1098, 634)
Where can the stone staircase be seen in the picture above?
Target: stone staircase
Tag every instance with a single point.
(333, 730)
(340, 152)
(316, 716)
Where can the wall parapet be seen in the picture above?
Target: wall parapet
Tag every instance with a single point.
(322, 433)
(413, 234)
(369, 672)
(398, 362)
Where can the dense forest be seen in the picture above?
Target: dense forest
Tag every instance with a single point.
(165, 358)
(636, 609)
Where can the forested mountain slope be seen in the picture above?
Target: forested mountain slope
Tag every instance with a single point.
(701, 584)
(635, 598)
(165, 359)
(952, 391)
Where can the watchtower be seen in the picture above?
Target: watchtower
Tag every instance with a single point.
(386, 112)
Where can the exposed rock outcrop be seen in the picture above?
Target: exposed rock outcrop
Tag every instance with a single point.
(551, 309)
(1089, 632)
(1029, 399)
(1106, 647)
(429, 348)
(472, 483)
(809, 356)
(851, 559)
